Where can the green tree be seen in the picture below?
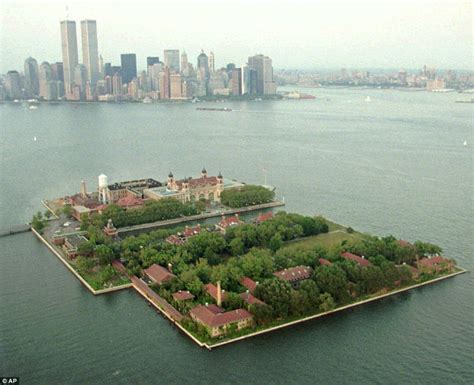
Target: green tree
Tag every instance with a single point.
(275, 242)
(237, 246)
(104, 253)
(333, 280)
(263, 314)
(312, 291)
(327, 302)
(67, 210)
(37, 222)
(85, 248)
(277, 294)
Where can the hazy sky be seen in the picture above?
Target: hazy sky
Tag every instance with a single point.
(296, 33)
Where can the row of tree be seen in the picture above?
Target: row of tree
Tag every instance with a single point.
(247, 195)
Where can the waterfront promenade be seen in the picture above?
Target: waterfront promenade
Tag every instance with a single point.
(128, 230)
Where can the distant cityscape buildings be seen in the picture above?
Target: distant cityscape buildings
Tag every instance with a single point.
(176, 78)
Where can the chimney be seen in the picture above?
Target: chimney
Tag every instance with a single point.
(219, 294)
(170, 267)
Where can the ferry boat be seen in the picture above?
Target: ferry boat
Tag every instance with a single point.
(213, 109)
(33, 107)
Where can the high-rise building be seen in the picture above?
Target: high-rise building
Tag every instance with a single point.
(237, 81)
(171, 59)
(117, 84)
(90, 50)
(150, 60)
(212, 64)
(13, 85)
(164, 83)
(203, 65)
(58, 76)
(263, 67)
(80, 78)
(45, 77)
(184, 64)
(69, 50)
(176, 86)
(249, 80)
(32, 76)
(129, 67)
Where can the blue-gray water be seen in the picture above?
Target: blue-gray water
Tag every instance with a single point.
(394, 165)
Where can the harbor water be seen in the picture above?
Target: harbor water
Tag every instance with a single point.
(395, 163)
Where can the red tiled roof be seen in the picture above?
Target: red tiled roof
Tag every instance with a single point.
(214, 308)
(212, 290)
(196, 182)
(404, 243)
(230, 221)
(182, 295)
(248, 283)
(323, 261)
(158, 273)
(352, 257)
(250, 299)
(208, 318)
(432, 261)
(191, 231)
(129, 201)
(174, 240)
(265, 217)
(295, 274)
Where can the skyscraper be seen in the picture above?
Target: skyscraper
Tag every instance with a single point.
(171, 58)
(184, 64)
(69, 50)
(203, 65)
(150, 60)
(212, 64)
(263, 67)
(237, 81)
(45, 77)
(164, 83)
(32, 76)
(129, 67)
(90, 50)
(13, 85)
(80, 78)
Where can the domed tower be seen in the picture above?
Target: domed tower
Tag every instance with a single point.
(170, 182)
(204, 172)
(220, 187)
(220, 178)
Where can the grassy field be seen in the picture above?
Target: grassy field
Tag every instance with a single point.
(337, 233)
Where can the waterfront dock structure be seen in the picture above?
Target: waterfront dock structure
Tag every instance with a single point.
(18, 229)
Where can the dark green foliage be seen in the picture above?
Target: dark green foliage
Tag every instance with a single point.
(151, 211)
(333, 280)
(276, 293)
(247, 195)
(104, 253)
(263, 314)
(275, 242)
(425, 248)
(38, 222)
(86, 248)
(327, 302)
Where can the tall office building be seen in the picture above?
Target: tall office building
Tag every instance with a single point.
(129, 67)
(80, 78)
(171, 59)
(69, 50)
(212, 64)
(237, 81)
(263, 67)
(203, 65)
(249, 80)
(176, 86)
(184, 64)
(150, 60)
(117, 84)
(32, 76)
(58, 77)
(164, 83)
(45, 77)
(90, 50)
(13, 85)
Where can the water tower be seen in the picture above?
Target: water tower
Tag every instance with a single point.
(103, 183)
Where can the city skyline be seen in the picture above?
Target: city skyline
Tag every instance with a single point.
(297, 36)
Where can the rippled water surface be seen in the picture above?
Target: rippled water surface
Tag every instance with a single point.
(395, 165)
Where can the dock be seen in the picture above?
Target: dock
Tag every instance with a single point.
(18, 229)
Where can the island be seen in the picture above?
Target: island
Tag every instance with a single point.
(216, 258)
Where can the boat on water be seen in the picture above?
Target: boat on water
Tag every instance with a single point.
(464, 101)
(368, 99)
(33, 107)
(213, 109)
(465, 143)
